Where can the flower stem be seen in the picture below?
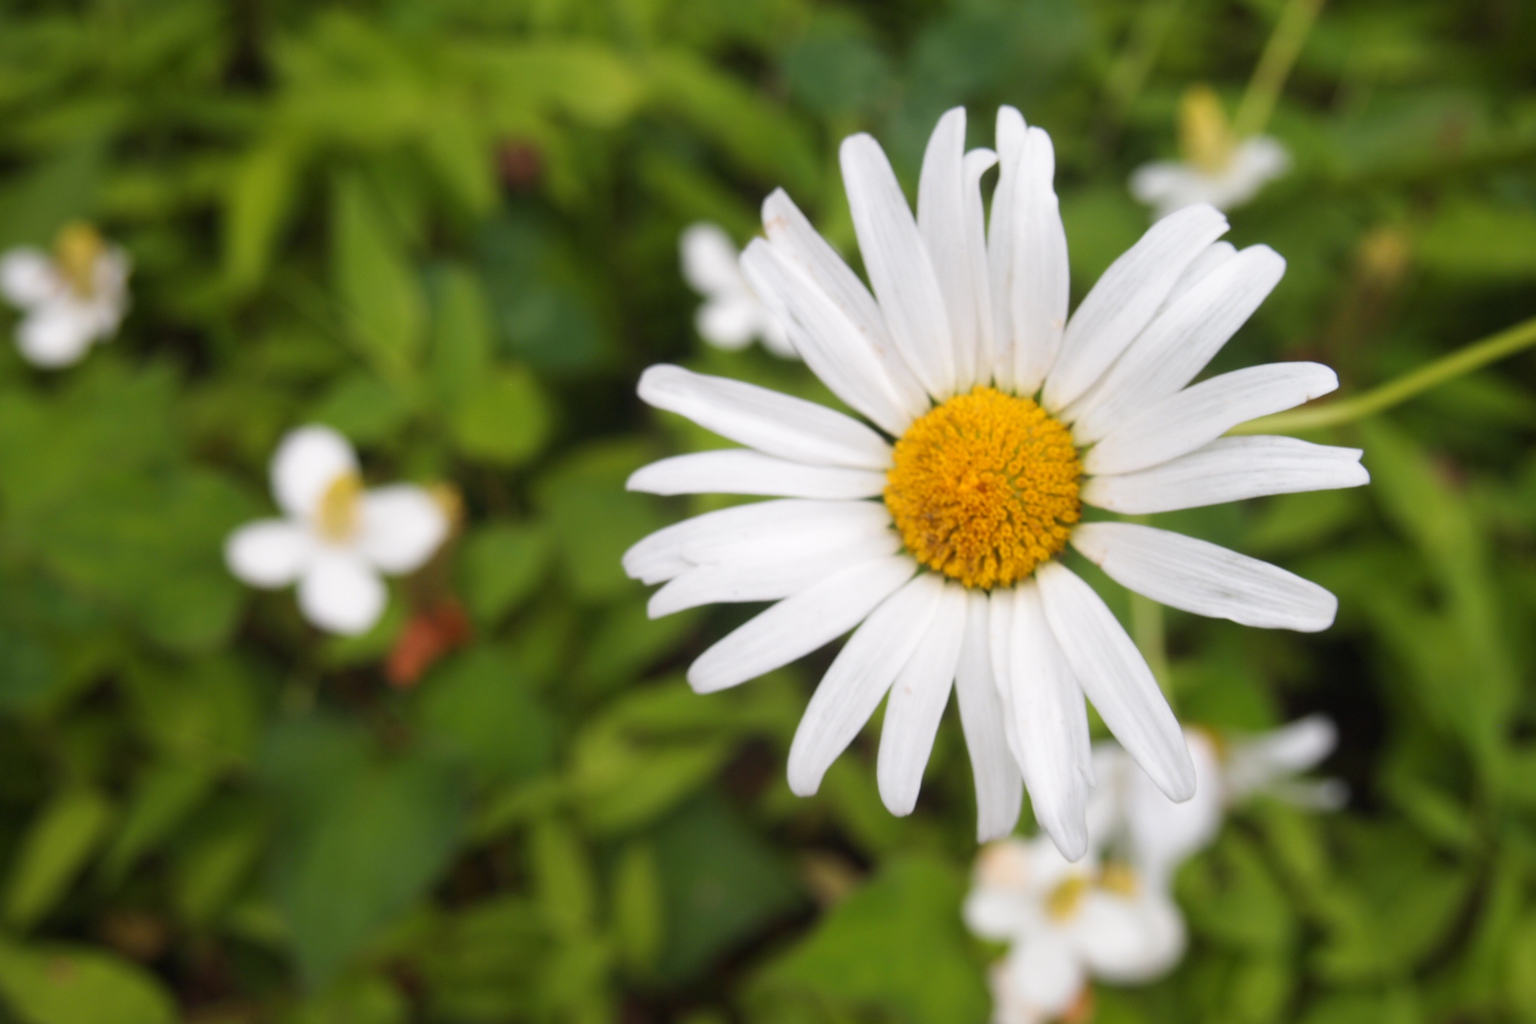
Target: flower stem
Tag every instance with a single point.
(1410, 385)
(1274, 67)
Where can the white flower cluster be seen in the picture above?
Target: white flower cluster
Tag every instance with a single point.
(1111, 916)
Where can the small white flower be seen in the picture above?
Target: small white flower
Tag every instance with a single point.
(732, 314)
(1127, 813)
(1214, 167)
(70, 299)
(935, 530)
(1068, 922)
(337, 538)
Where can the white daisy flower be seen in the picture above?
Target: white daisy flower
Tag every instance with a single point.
(1068, 922)
(1127, 813)
(938, 531)
(732, 314)
(70, 299)
(336, 538)
(1214, 167)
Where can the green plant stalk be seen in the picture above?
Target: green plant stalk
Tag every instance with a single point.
(1474, 357)
(1147, 631)
(1274, 67)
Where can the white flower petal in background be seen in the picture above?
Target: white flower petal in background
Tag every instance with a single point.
(401, 526)
(269, 552)
(341, 593)
(732, 315)
(27, 277)
(308, 461)
(1171, 185)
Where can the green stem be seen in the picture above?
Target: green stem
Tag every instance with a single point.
(1129, 73)
(1274, 67)
(1459, 363)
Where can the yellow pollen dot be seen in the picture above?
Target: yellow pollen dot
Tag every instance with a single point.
(1120, 879)
(76, 252)
(1205, 138)
(339, 511)
(1062, 903)
(984, 488)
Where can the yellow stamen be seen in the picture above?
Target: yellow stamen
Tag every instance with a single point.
(76, 252)
(338, 514)
(984, 488)
(1119, 878)
(1062, 903)
(1205, 137)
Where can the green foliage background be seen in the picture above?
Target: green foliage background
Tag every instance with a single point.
(449, 229)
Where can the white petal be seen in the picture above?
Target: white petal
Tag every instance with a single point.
(742, 471)
(1051, 722)
(1129, 941)
(710, 260)
(1228, 469)
(1203, 578)
(917, 703)
(1125, 299)
(1041, 276)
(899, 266)
(307, 461)
(769, 575)
(401, 526)
(1199, 414)
(1257, 762)
(775, 338)
(943, 202)
(996, 912)
(717, 536)
(838, 349)
(27, 277)
(1000, 633)
(799, 624)
(341, 593)
(858, 678)
(729, 322)
(773, 423)
(1167, 185)
(269, 552)
(1164, 834)
(999, 786)
(802, 247)
(1047, 973)
(56, 334)
(1215, 255)
(1115, 677)
(974, 366)
(1002, 242)
(1179, 341)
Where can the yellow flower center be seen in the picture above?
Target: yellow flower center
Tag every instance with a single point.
(338, 514)
(1205, 138)
(984, 488)
(76, 252)
(1119, 878)
(1062, 903)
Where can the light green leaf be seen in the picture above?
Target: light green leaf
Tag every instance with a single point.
(380, 297)
(57, 984)
(54, 850)
(501, 564)
(503, 417)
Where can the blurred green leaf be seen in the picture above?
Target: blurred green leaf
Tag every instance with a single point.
(481, 706)
(377, 287)
(57, 984)
(503, 417)
(1471, 238)
(56, 847)
(502, 564)
(895, 944)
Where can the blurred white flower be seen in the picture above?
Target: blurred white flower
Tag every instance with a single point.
(1214, 167)
(337, 538)
(1128, 814)
(732, 314)
(1067, 922)
(70, 299)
